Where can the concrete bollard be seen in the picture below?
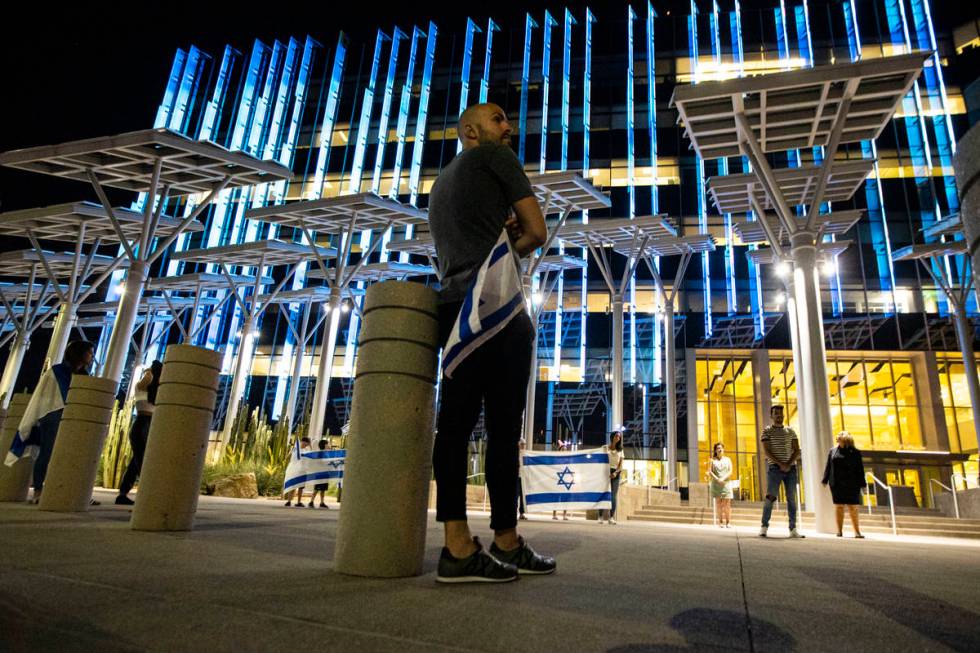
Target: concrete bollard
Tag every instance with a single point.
(15, 481)
(178, 442)
(382, 525)
(78, 446)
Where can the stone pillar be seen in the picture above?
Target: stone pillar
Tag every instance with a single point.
(816, 437)
(237, 388)
(325, 369)
(12, 369)
(15, 481)
(616, 412)
(122, 329)
(78, 446)
(691, 362)
(389, 453)
(670, 379)
(177, 445)
(966, 166)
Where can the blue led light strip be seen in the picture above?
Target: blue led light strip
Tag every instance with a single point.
(403, 110)
(364, 122)
(549, 22)
(631, 176)
(658, 338)
(586, 129)
(329, 118)
(396, 39)
(692, 24)
(485, 80)
(529, 24)
(464, 76)
(420, 121)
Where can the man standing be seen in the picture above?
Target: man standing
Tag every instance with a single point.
(469, 206)
(782, 449)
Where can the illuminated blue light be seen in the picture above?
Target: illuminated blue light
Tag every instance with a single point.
(329, 117)
(464, 87)
(529, 24)
(422, 118)
(549, 22)
(485, 80)
(396, 38)
(364, 123)
(403, 110)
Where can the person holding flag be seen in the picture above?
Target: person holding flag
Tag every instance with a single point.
(486, 335)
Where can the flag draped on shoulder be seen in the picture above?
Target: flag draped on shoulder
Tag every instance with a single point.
(494, 299)
(48, 397)
(309, 468)
(566, 480)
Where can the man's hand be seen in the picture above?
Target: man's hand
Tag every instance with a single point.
(513, 227)
(784, 467)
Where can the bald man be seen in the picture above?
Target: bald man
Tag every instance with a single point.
(480, 192)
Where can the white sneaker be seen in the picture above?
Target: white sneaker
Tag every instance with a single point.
(764, 531)
(612, 520)
(600, 522)
(796, 535)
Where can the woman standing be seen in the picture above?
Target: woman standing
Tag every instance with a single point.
(615, 451)
(844, 474)
(720, 475)
(146, 399)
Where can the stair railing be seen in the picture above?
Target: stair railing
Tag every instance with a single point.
(891, 498)
(952, 482)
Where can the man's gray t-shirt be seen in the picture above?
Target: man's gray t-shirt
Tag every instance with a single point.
(468, 205)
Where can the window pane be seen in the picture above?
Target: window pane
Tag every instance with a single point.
(884, 426)
(908, 419)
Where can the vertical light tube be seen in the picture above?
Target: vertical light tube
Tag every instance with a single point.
(422, 118)
(586, 129)
(549, 22)
(485, 80)
(699, 170)
(464, 75)
(631, 175)
(364, 122)
(401, 130)
(329, 118)
(396, 38)
(529, 24)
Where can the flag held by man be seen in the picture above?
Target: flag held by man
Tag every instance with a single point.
(309, 468)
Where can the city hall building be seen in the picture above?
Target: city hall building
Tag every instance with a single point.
(590, 92)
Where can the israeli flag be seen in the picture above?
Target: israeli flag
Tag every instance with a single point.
(494, 299)
(566, 480)
(309, 468)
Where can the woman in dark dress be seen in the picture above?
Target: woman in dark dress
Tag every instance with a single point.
(844, 474)
(146, 399)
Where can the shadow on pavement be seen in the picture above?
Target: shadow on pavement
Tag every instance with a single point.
(942, 622)
(703, 628)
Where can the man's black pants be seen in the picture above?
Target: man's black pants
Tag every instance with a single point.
(494, 377)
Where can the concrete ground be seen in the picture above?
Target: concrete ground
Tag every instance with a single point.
(256, 576)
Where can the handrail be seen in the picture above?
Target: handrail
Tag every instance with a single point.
(891, 498)
(956, 505)
(483, 474)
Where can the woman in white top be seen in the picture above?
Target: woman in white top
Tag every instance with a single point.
(146, 398)
(719, 475)
(615, 451)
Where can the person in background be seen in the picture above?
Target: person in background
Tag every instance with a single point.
(615, 451)
(562, 446)
(304, 445)
(782, 447)
(719, 475)
(146, 398)
(39, 426)
(844, 474)
(320, 488)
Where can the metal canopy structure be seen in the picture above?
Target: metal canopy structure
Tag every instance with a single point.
(827, 251)
(374, 272)
(343, 217)
(742, 193)
(21, 262)
(25, 310)
(837, 223)
(685, 247)
(932, 257)
(628, 237)
(258, 255)
(86, 222)
(558, 192)
(161, 164)
(823, 106)
(951, 225)
(799, 108)
(128, 161)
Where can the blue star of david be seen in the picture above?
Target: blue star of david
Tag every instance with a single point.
(566, 482)
(336, 463)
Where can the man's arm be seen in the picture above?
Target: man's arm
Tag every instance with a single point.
(530, 221)
(795, 456)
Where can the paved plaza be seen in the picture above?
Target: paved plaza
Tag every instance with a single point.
(255, 575)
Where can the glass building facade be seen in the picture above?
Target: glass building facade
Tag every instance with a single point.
(589, 91)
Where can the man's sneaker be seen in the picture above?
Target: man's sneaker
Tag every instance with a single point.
(480, 567)
(524, 558)
(764, 531)
(612, 520)
(123, 500)
(796, 535)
